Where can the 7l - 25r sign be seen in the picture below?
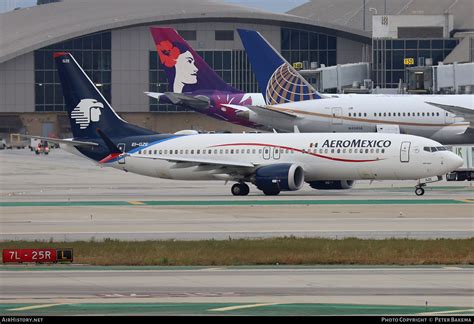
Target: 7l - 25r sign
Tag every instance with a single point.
(36, 255)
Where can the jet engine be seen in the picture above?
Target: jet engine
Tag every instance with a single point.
(272, 179)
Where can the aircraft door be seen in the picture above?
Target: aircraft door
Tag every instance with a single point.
(276, 153)
(405, 152)
(267, 152)
(121, 147)
(336, 116)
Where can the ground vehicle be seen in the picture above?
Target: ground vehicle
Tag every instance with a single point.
(16, 141)
(3, 144)
(42, 147)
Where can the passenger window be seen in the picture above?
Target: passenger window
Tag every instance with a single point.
(366, 150)
(338, 150)
(180, 151)
(349, 114)
(377, 151)
(371, 150)
(332, 150)
(254, 151)
(154, 152)
(248, 151)
(356, 151)
(185, 152)
(260, 151)
(226, 151)
(139, 152)
(437, 114)
(198, 151)
(160, 152)
(192, 151)
(365, 114)
(221, 151)
(350, 150)
(383, 150)
(389, 114)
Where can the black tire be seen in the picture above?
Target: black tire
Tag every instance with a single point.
(236, 189)
(419, 191)
(245, 189)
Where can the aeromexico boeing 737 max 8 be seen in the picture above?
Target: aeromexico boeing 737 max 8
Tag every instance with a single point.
(272, 162)
(289, 100)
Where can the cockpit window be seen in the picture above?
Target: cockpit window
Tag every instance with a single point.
(435, 149)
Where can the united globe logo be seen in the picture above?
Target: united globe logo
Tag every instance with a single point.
(286, 85)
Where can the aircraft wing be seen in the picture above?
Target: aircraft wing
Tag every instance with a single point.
(466, 113)
(61, 141)
(198, 161)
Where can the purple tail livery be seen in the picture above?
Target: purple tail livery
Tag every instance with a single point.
(195, 85)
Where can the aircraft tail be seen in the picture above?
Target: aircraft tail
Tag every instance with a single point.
(185, 69)
(87, 108)
(278, 80)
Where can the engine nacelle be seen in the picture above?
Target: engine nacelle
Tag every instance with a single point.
(332, 184)
(283, 176)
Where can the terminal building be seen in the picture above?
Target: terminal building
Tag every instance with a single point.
(112, 42)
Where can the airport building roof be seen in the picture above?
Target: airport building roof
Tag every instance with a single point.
(350, 13)
(27, 29)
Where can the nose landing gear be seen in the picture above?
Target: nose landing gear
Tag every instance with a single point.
(240, 189)
(419, 191)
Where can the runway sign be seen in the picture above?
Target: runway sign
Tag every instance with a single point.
(37, 255)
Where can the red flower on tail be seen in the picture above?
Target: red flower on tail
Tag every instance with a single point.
(168, 53)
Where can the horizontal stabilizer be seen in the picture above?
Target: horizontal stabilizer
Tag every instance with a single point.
(268, 110)
(62, 141)
(198, 102)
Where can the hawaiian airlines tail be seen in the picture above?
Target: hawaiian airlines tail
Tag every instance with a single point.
(185, 69)
(87, 108)
(278, 80)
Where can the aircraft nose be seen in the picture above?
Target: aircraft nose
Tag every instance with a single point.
(455, 161)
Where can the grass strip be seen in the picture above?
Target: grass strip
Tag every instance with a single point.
(281, 251)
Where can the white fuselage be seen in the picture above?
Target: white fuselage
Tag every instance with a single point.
(406, 114)
(332, 156)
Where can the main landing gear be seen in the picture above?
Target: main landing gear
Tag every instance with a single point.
(240, 189)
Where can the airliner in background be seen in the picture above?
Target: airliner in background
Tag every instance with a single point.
(290, 103)
(272, 162)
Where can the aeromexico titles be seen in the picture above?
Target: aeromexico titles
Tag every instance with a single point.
(272, 162)
(289, 102)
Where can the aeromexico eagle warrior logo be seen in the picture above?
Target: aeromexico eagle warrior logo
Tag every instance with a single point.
(286, 85)
(87, 111)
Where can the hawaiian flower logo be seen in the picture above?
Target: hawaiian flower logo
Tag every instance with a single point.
(168, 53)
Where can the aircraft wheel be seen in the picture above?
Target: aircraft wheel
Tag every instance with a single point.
(419, 191)
(240, 189)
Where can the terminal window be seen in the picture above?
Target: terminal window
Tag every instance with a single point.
(301, 45)
(92, 52)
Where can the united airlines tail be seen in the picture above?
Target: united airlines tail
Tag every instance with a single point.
(185, 69)
(278, 80)
(87, 108)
